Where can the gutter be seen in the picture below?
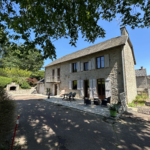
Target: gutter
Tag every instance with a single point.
(123, 70)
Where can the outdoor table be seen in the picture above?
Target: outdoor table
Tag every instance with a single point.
(65, 95)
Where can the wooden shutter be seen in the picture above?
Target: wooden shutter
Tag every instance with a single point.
(78, 84)
(106, 60)
(70, 85)
(107, 87)
(93, 63)
(70, 65)
(53, 89)
(78, 66)
(94, 88)
(81, 66)
(89, 65)
(90, 88)
(81, 88)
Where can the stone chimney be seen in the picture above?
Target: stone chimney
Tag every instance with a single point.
(124, 31)
(142, 68)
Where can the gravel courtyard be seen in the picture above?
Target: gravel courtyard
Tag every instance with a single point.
(45, 126)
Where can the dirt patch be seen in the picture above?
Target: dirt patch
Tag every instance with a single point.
(28, 97)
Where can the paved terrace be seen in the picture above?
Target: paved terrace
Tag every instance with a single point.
(79, 105)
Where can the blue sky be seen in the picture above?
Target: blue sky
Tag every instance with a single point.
(140, 38)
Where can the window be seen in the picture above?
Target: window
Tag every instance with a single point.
(74, 67)
(100, 62)
(53, 73)
(86, 66)
(74, 84)
(58, 74)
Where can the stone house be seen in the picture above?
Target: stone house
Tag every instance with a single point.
(142, 80)
(103, 70)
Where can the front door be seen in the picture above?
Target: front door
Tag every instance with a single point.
(101, 88)
(55, 89)
(86, 88)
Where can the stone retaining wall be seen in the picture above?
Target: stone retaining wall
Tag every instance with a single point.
(27, 91)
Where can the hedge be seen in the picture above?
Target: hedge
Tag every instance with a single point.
(4, 81)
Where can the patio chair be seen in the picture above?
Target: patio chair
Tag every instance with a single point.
(69, 95)
(97, 101)
(105, 101)
(87, 100)
(73, 95)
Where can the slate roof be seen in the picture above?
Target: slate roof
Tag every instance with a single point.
(140, 72)
(41, 81)
(114, 42)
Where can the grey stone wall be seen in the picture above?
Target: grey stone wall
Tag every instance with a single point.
(130, 79)
(114, 72)
(27, 91)
(141, 82)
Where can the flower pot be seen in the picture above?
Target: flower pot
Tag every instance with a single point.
(113, 113)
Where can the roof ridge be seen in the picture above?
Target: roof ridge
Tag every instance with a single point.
(101, 44)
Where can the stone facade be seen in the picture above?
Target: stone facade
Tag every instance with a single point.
(114, 72)
(130, 78)
(119, 72)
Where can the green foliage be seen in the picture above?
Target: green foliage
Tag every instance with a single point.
(2, 73)
(32, 61)
(113, 107)
(38, 74)
(25, 85)
(131, 104)
(48, 90)
(4, 81)
(139, 100)
(55, 19)
(16, 72)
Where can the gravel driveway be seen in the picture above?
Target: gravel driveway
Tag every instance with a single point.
(45, 126)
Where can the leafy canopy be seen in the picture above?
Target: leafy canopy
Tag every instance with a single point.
(53, 19)
(31, 60)
(38, 74)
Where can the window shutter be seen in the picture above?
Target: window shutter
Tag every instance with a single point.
(94, 88)
(78, 84)
(53, 88)
(106, 60)
(70, 85)
(81, 88)
(89, 65)
(107, 87)
(93, 63)
(90, 88)
(81, 66)
(78, 66)
(70, 68)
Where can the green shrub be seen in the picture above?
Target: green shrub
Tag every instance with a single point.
(131, 104)
(25, 85)
(4, 81)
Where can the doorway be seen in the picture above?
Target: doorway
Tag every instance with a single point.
(86, 88)
(101, 88)
(55, 89)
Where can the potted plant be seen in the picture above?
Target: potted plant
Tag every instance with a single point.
(48, 92)
(113, 110)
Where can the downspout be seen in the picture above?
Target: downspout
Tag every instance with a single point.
(123, 70)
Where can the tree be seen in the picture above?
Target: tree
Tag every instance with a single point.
(53, 19)
(38, 74)
(32, 61)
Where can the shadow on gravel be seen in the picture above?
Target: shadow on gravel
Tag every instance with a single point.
(45, 126)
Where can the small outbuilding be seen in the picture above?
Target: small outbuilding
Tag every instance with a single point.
(40, 86)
